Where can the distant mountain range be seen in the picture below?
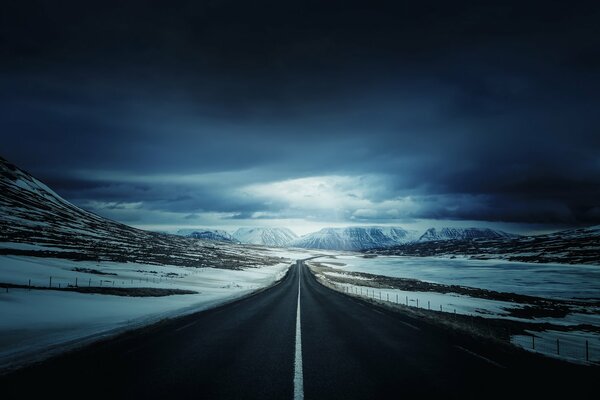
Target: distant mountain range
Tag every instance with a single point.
(574, 246)
(376, 237)
(216, 235)
(354, 238)
(274, 237)
(463, 233)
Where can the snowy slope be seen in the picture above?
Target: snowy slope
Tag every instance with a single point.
(574, 246)
(463, 233)
(354, 238)
(208, 234)
(35, 221)
(274, 237)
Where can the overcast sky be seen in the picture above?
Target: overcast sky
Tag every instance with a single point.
(307, 114)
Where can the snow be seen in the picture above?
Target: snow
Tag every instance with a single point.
(338, 275)
(462, 233)
(295, 254)
(276, 237)
(29, 246)
(449, 302)
(571, 345)
(40, 322)
(544, 280)
(355, 238)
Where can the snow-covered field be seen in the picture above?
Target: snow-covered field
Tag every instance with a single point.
(558, 281)
(551, 281)
(41, 322)
(576, 346)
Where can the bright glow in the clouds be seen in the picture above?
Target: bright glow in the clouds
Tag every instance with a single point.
(317, 193)
(333, 197)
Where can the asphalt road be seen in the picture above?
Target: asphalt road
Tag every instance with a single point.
(343, 348)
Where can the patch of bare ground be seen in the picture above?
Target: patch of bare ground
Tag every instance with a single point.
(113, 291)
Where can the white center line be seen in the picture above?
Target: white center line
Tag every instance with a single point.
(298, 378)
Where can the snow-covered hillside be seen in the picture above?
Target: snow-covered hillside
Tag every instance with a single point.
(463, 233)
(217, 235)
(35, 221)
(274, 237)
(574, 246)
(354, 238)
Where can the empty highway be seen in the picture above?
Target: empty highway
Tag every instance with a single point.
(297, 339)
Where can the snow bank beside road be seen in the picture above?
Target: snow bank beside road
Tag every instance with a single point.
(38, 323)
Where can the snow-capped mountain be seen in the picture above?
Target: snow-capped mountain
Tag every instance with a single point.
(217, 235)
(587, 233)
(463, 233)
(36, 221)
(574, 246)
(273, 237)
(355, 238)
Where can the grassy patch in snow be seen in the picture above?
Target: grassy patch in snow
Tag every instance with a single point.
(113, 291)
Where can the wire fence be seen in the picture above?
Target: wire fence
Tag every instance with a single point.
(568, 345)
(576, 346)
(54, 282)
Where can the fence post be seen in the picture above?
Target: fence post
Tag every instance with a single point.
(407, 300)
(29, 285)
(587, 351)
(429, 304)
(50, 282)
(76, 282)
(417, 303)
(388, 297)
(396, 298)
(441, 307)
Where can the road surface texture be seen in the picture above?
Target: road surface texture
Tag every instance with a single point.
(298, 339)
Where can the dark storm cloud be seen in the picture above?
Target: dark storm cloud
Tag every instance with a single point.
(480, 110)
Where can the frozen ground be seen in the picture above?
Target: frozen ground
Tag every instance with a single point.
(576, 346)
(544, 280)
(577, 283)
(38, 323)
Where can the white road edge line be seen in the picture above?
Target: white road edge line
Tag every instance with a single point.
(494, 363)
(416, 328)
(186, 326)
(298, 376)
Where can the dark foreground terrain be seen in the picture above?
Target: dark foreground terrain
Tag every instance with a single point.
(350, 350)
